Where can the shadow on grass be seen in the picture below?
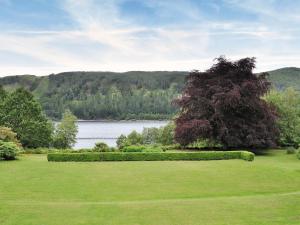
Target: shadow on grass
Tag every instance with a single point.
(260, 152)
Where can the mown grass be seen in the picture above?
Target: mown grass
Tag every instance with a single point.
(265, 191)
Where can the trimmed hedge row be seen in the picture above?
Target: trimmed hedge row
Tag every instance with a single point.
(150, 156)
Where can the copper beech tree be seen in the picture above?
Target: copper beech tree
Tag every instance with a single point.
(224, 105)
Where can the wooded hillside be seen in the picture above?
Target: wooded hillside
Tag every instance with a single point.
(107, 95)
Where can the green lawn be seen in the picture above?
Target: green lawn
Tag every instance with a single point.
(230, 192)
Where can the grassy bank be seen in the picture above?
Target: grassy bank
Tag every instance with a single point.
(266, 191)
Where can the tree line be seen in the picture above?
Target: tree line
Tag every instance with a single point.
(107, 95)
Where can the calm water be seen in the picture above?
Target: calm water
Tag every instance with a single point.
(90, 132)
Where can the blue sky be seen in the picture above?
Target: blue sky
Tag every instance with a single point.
(50, 36)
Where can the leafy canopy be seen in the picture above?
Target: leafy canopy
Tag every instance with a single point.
(23, 114)
(66, 131)
(287, 104)
(223, 104)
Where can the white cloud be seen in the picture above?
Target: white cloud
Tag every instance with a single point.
(103, 40)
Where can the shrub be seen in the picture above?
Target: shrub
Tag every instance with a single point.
(298, 154)
(170, 147)
(153, 148)
(8, 150)
(101, 147)
(133, 148)
(290, 150)
(150, 156)
(7, 135)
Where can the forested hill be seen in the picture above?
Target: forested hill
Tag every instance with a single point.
(104, 95)
(107, 95)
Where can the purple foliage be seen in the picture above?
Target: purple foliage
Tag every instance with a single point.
(224, 105)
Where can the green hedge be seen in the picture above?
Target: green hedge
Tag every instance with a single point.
(142, 148)
(298, 154)
(150, 156)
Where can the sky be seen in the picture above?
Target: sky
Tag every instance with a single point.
(41, 37)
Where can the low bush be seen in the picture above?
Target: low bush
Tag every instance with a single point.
(150, 156)
(7, 135)
(290, 150)
(101, 147)
(298, 154)
(8, 150)
(133, 148)
(153, 149)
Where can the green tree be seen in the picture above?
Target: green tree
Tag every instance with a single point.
(21, 112)
(122, 141)
(166, 134)
(66, 131)
(150, 135)
(134, 138)
(101, 147)
(287, 103)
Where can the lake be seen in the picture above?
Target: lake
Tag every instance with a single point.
(90, 132)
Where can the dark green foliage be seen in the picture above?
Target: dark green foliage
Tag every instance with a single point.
(21, 112)
(8, 150)
(298, 154)
(3, 93)
(105, 95)
(131, 95)
(101, 147)
(150, 156)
